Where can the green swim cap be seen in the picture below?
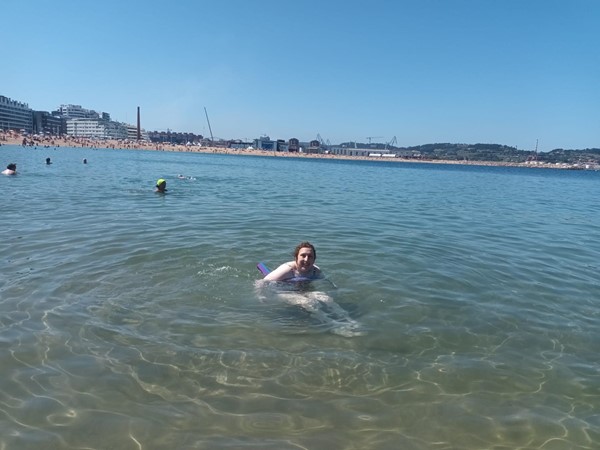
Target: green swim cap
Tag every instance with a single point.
(160, 181)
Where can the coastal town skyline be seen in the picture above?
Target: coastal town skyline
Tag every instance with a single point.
(9, 107)
(464, 72)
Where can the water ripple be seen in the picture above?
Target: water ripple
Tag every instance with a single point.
(132, 320)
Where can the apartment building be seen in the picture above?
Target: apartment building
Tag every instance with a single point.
(15, 115)
(96, 129)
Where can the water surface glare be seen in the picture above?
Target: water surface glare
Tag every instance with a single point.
(132, 320)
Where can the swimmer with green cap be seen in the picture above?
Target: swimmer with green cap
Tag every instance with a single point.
(161, 185)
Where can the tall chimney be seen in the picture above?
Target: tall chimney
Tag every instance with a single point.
(139, 130)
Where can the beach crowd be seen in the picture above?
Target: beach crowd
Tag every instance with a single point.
(14, 138)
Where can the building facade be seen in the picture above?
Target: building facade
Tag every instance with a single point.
(15, 115)
(359, 151)
(46, 123)
(132, 133)
(77, 112)
(293, 145)
(173, 137)
(265, 143)
(96, 129)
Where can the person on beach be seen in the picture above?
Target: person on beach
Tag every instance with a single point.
(161, 186)
(302, 267)
(11, 169)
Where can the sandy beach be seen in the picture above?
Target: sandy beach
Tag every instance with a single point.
(12, 138)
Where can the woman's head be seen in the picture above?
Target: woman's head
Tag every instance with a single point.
(304, 257)
(302, 245)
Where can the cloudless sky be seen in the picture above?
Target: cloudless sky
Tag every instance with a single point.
(425, 71)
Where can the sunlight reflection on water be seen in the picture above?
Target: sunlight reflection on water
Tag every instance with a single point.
(130, 319)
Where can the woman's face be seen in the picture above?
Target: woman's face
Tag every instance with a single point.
(305, 259)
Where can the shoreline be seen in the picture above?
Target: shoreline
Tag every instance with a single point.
(12, 138)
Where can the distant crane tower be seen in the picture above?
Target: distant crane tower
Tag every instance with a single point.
(369, 138)
(208, 121)
(323, 143)
(394, 141)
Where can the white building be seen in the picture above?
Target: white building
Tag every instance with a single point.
(358, 151)
(132, 133)
(96, 129)
(76, 112)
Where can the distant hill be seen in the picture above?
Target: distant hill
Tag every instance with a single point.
(486, 152)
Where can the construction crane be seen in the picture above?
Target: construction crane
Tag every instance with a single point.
(394, 141)
(209, 128)
(369, 138)
(324, 144)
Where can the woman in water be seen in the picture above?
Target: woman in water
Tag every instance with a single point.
(319, 304)
(302, 267)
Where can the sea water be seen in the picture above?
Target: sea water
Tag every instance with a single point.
(132, 320)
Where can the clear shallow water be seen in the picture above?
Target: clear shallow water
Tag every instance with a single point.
(129, 319)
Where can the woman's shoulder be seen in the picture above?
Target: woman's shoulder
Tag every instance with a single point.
(284, 271)
(286, 267)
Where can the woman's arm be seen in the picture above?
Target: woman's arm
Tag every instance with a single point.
(283, 272)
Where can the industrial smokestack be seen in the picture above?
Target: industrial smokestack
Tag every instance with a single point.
(139, 130)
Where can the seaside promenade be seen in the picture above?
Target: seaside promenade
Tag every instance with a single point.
(13, 138)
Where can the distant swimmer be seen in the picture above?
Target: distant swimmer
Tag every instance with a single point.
(84, 161)
(161, 185)
(303, 266)
(11, 169)
(48, 162)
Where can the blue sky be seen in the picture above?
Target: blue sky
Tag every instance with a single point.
(425, 71)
